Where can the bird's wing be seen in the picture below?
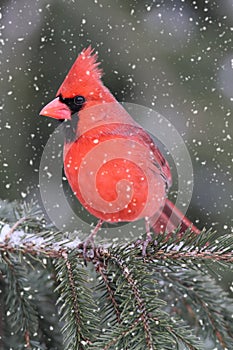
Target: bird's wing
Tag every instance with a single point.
(137, 133)
(159, 159)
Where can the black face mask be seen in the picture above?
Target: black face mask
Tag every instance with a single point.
(75, 104)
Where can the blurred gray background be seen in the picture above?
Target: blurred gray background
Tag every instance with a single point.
(174, 56)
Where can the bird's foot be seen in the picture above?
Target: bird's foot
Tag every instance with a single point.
(145, 243)
(88, 253)
(89, 242)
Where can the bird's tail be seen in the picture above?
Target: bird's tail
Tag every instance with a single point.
(170, 218)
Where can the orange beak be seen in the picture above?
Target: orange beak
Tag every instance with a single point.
(56, 109)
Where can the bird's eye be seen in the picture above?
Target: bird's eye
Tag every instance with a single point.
(79, 100)
(74, 103)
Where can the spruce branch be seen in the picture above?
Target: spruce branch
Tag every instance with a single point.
(143, 302)
(72, 287)
(14, 227)
(77, 308)
(109, 292)
(179, 256)
(22, 313)
(140, 303)
(134, 293)
(194, 290)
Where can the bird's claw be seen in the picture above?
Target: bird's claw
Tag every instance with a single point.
(90, 241)
(145, 243)
(88, 247)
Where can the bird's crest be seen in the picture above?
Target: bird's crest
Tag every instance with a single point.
(85, 71)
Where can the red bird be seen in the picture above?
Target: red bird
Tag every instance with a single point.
(112, 164)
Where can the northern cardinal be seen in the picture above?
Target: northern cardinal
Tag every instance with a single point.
(112, 164)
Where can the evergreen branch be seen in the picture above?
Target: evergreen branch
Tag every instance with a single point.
(101, 269)
(49, 329)
(143, 323)
(122, 332)
(187, 255)
(134, 313)
(14, 212)
(196, 291)
(177, 335)
(77, 307)
(22, 312)
(73, 291)
(14, 227)
(206, 246)
(139, 300)
(51, 252)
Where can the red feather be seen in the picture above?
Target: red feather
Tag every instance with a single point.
(131, 176)
(84, 73)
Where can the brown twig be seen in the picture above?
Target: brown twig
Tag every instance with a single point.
(27, 339)
(48, 251)
(205, 255)
(145, 318)
(14, 227)
(101, 270)
(74, 294)
(123, 334)
(73, 289)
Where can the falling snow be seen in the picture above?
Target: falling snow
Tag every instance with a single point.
(172, 56)
(175, 57)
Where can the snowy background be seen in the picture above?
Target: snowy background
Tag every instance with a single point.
(174, 56)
